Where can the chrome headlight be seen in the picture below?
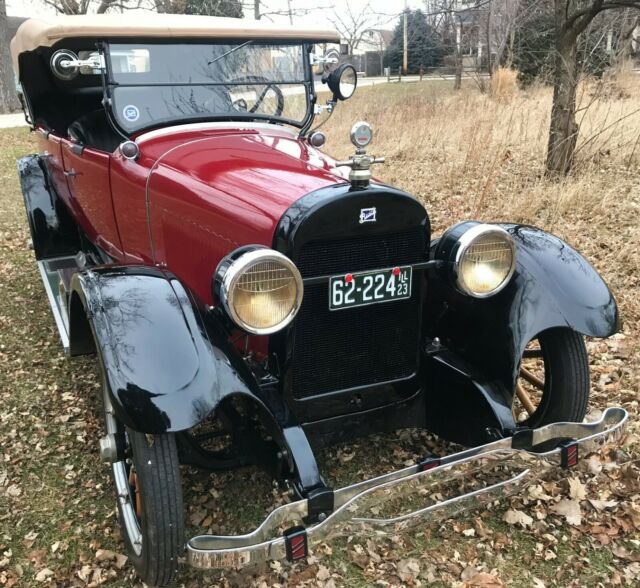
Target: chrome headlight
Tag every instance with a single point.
(261, 290)
(483, 257)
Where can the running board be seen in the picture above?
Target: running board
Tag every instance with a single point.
(414, 495)
(50, 273)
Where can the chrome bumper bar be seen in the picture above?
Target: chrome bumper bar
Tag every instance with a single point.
(398, 500)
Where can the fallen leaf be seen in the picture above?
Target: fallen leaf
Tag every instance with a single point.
(623, 553)
(105, 555)
(43, 574)
(600, 505)
(517, 517)
(14, 491)
(570, 510)
(323, 573)
(408, 570)
(577, 490)
(483, 580)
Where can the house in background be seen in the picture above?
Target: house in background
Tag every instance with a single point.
(368, 57)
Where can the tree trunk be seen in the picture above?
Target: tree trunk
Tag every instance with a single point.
(563, 132)
(256, 9)
(629, 25)
(457, 84)
(8, 97)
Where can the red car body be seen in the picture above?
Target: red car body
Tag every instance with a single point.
(201, 191)
(162, 195)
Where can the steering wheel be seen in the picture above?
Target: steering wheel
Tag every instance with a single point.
(241, 104)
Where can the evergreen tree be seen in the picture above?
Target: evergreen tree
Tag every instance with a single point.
(424, 45)
(533, 51)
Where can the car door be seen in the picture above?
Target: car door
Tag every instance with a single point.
(87, 172)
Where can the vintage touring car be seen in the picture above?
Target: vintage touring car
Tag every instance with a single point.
(250, 299)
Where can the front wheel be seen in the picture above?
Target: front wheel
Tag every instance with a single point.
(149, 494)
(554, 380)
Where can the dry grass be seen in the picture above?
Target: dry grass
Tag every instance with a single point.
(465, 156)
(504, 84)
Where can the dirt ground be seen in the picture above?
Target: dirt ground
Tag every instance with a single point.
(465, 155)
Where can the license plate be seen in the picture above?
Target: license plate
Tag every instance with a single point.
(363, 288)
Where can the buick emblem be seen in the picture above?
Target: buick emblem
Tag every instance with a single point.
(367, 215)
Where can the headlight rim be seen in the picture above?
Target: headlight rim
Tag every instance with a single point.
(466, 240)
(236, 266)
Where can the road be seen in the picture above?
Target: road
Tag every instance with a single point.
(8, 121)
(17, 120)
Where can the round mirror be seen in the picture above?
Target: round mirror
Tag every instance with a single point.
(343, 81)
(326, 64)
(331, 60)
(60, 64)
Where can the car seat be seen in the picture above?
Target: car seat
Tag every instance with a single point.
(94, 130)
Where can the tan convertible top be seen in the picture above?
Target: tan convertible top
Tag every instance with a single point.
(35, 32)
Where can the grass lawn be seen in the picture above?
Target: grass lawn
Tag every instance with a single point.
(464, 155)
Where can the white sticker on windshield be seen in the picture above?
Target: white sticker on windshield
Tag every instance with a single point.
(131, 113)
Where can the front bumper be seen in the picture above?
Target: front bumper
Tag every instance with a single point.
(398, 500)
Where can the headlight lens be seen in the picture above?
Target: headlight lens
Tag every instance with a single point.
(262, 291)
(485, 260)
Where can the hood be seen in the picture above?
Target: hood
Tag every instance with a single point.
(264, 166)
(213, 189)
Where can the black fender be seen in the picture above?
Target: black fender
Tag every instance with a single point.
(164, 371)
(552, 286)
(53, 231)
(169, 365)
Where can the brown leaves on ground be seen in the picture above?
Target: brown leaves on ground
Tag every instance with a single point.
(464, 156)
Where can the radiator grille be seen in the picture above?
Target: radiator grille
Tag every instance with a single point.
(323, 258)
(357, 346)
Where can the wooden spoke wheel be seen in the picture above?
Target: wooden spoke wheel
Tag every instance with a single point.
(553, 384)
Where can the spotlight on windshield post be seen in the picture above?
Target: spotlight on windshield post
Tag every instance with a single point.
(343, 81)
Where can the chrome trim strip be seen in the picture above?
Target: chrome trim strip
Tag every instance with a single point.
(55, 303)
(211, 126)
(359, 508)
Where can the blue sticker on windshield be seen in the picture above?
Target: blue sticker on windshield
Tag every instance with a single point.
(131, 113)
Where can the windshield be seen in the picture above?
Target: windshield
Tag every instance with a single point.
(152, 84)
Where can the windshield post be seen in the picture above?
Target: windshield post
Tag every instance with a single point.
(103, 50)
(308, 49)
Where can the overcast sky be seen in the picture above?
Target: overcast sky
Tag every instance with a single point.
(320, 11)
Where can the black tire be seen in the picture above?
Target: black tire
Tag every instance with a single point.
(151, 510)
(155, 459)
(566, 378)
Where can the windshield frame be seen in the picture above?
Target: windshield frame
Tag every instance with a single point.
(109, 84)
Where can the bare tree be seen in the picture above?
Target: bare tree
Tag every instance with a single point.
(572, 17)
(501, 23)
(354, 24)
(87, 6)
(265, 9)
(8, 97)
